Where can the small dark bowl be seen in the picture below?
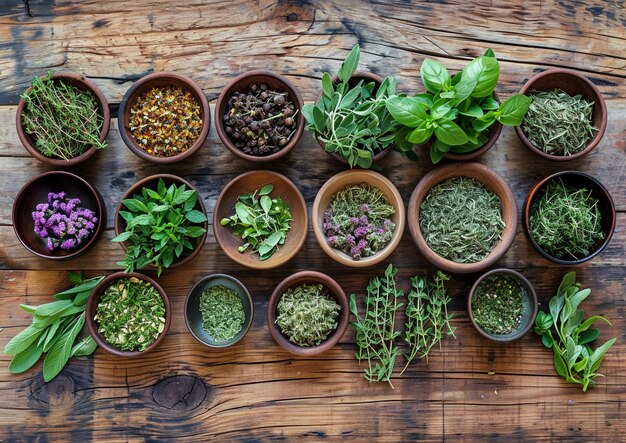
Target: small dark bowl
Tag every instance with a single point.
(36, 191)
(578, 180)
(334, 290)
(80, 82)
(530, 307)
(152, 182)
(162, 80)
(193, 316)
(572, 83)
(241, 83)
(92, 304)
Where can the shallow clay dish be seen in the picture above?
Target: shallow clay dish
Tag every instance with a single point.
(334, 290)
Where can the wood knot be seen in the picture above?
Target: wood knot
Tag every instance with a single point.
(292, 17)
(180, 392)
(58, 391)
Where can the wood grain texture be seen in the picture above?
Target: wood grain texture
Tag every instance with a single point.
(473, 389)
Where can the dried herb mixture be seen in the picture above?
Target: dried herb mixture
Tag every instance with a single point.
(498, 303)
(223, 315)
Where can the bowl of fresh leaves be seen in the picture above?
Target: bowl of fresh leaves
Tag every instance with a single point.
(260, 219)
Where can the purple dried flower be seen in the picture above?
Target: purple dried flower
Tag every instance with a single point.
(68, 244)
(354, 220)
(364, 208)
(361, 231)
(363, 220)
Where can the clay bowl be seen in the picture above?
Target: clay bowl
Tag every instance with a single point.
(248, 183)
(578, 180)
(335, 184)
(354, 80)
(82, 83)
(528, 315)
(572, 83)
(241, 83)
(334, 290)
(92, 304)
(490, 179)
(161, 80)
(36, 191)
(152, 182)
(193, 316)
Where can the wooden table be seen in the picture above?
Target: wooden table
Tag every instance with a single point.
(473, 389)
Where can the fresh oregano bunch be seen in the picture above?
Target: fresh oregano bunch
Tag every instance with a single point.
(54, 331)
(456, 111)
(564, 330)
(159, 226)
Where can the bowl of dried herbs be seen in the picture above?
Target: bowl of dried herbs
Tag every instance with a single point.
(308, 313)
(218, 311)
(569, 217)
(128, 314)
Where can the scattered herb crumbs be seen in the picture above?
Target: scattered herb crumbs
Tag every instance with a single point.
(498, 303)
(222, 312)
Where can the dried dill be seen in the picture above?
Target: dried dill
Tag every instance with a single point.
(223, 315)
(558, 123)
(498, 304)
(565, 221)
(307, 314)
(461, 220)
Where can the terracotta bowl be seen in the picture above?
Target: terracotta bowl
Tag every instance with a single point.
(92, 304)
(161, 80)
(193, 316)
(297, 279)
(528, 316)
(335, 184)
(225, 207)
(36, 191)
(492, 181)
(572, 83)
(152, 182)
(241, 83)
(578, 180)
(82, 83)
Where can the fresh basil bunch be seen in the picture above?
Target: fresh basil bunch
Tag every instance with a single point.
(457, 111)
(353, 122)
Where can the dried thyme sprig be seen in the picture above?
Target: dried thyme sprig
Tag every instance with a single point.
(222, 312)
(461, 220)
(558, 123)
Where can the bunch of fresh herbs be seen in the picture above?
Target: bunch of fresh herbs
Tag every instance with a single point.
(54, 331)
(160, 225)
(498, 303)
(456, 112)
(223, 315)
(261, 221)
(564, 330)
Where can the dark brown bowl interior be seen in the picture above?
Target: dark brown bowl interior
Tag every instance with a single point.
(241, 83)
(36, 191)
(82, 83)
(248, 183)
(572, 83)
(92, 304)
(578, 180)
(162, 80)
(152, 183)
(334, 290)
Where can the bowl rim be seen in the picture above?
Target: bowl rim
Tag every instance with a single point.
(129, 140)
(92, 239)
(599, 99)
(533, 193)
(457, 169)
(334, 289)
(373, 178)
(91, 306)
(26, 140)
(530, 293)
(271, 262)
(243, 289)
(222, 103)
(117, 220)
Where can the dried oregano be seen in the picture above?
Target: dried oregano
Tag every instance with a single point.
(223, 315)
(498, 303)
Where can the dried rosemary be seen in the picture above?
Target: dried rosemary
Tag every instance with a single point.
(461, 220)
(498, 303)
(222, 312)
(558, 123)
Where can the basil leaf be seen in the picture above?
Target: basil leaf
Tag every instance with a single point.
(122, 237)
(421, 134)
(196, 216)
(135, 205)
(450, 133)
(434, 75)
(435, 155)
(485, 71)
(512, 111)
(182, 196)
(406, 110)
(191, 202)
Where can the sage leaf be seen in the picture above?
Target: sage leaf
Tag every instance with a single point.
(84, 347)
(25, 359)
(22, 340)
(60, 353)
(348, 67)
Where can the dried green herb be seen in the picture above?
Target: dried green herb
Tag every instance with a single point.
(261, 221)
(223, 315)
(557, 123)
(461, 219)
(565, 221)
(63, 120)
(498, 303)
(307, 314)
(130, 314)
